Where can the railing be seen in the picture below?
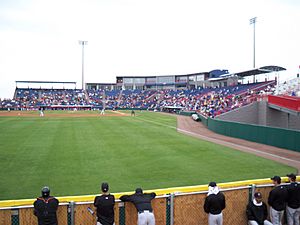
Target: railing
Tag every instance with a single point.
(289, 102)
(179, 206)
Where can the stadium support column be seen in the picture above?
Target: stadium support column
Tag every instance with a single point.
(83, 43)
(253, 21)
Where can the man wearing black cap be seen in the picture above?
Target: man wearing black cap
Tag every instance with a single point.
(142, 203)
(293, 201)
(277, 201)
(257, 212)
(214, 204)
(105, 206)
(45, 208)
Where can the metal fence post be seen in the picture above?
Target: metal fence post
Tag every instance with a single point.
(121, 206)
(172, 196)
(72, 212)
(15, 220)
(252, 191)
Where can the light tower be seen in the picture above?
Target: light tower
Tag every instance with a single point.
(83, 43)
(253, 21)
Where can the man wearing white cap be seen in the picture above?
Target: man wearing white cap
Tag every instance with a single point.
(214, 204)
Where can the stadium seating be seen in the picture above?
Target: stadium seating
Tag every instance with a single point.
(207, 101)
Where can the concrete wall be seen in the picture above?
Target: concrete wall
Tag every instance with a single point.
(259, 113)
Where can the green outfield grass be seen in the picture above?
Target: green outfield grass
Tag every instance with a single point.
(74, 155)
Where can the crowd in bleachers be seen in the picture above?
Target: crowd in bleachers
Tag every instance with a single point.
(290, 87)
(208, 101)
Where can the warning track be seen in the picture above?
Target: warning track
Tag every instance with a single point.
(188, 126)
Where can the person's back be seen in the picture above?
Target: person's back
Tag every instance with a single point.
(105, 206)
(142, 201)
(277, 198)
(293, 199)
(45, 208)
(214, 203)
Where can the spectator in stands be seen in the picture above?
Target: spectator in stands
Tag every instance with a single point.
(45, 208)
(293, 201)
(276, 201)
(257, 212)
(142, 203)
(214, 204)
(105, 206)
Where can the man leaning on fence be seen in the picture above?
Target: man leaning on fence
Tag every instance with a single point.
(214, 204)
(45, 208)
(257, 212)
(142, 203)
(293, 201)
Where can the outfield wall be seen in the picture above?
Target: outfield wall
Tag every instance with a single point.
(173, 206)
(278, 137)
(259, 113)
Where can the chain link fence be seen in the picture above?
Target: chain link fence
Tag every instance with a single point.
(169, 209)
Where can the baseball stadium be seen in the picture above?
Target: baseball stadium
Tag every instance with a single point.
(168, 134)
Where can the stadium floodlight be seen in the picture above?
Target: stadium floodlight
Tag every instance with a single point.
(83, 43)
(253, 21)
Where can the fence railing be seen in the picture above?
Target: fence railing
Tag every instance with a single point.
(180, 206)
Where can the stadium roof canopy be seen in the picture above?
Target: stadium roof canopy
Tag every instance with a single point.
(261, 70)
(45, 82)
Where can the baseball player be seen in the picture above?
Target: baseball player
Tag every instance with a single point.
(142, 203)
(214, 204)
(45, 208)
(293, 201)
(105, 206)
(257, 212)
(276, 201)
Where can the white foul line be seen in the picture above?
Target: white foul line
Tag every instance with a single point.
(214, 140)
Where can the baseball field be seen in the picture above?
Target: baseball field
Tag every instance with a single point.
(73, 152)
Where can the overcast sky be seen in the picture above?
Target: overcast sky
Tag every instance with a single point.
(39, 38)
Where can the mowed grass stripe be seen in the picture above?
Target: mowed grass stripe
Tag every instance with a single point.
(74, 155)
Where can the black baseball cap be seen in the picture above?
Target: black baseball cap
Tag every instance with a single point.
(104, 187)
(277, 179)
(257, 195)
(45, 191)
(139, 191)
(212, 184)
(292, 176)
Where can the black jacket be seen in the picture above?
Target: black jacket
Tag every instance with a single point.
(293, 197)
(105, 209)
(277, 198)
(45, 210)
(141, 201)
(257, 213)
(214, 204)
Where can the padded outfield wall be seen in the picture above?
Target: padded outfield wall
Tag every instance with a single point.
(258, 123)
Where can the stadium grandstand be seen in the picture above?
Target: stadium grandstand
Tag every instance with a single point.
(209, 93)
